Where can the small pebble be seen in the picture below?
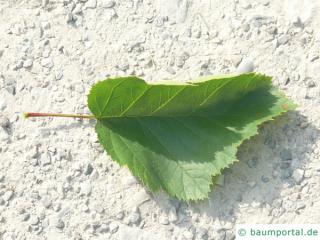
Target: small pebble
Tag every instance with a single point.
(27, 63)
(245, 66)
(135, 216)
(120, 215)
(58, 223)
(99, 209)
(123, 67)
(3, 104)
(85, 208)
(283, 40)
(45, 25)
(113, 227)
(44, 3)
(171, 70)
(104, 228)
(4, 123)
(172, 215)
(265, 179)
(47, 63)
(163, 220)
(229, 235)
(34, 195)
(88, 169)
(310, 83)
(34, 220)
(8, 236)
(202, 233)
(45, 159)
(108, 4)
(139, 198)
(188, 235)
(57, 207)
(46, 201)
(252, 184)
(245, 27)
(70, 18)
(58, 75)
(129, 181)
(277, 203)
(77, 9)
(18, 65)
(245, 5)
(25, 216)
(85, 188)
(91, 4)
(301, 205)
(7, 195)
(298, 175)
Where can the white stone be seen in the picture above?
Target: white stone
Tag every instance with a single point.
(27, 63)
(188, 235)
(3, 104)
(47, 63)
(113, 227)
(77, 9)
(128, 181)
(139, 198)
(85, 188)
(164, 220)
(59, 224)
(108, 4)
(34, 220)
(9, 236)
(130, 233)
(134, 217)
(245, 66)
(45, 25)
(45, 159)
(4, 122)
(172, 215)
(46, 201)
(298, 175)
(91, 4)
(44, 3)
(25, 216)
(7, 195)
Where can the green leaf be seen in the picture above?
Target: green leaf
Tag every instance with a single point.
(178, 137)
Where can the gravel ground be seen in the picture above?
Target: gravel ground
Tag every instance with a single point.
(55, 180)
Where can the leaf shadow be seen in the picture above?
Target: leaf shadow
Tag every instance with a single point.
(264, 171)
(66, 127)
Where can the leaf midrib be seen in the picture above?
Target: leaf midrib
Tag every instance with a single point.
(165, 116)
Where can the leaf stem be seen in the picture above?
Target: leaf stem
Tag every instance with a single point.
(32, 114)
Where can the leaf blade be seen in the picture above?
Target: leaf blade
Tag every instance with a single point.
(172, 145)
